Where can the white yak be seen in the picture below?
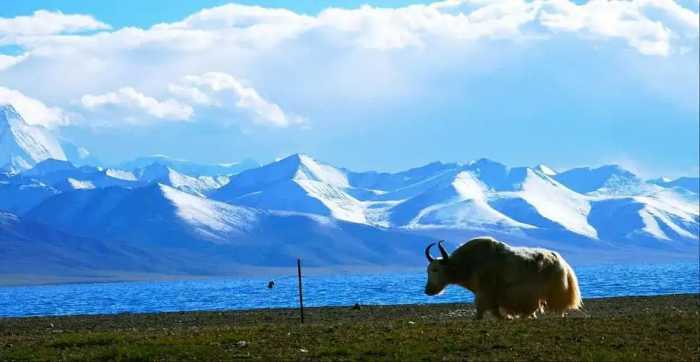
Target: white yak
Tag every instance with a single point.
(508, 281)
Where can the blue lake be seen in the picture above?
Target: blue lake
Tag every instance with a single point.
(319, 290)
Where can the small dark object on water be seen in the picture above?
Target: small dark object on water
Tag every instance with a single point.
(271, 284)
(356, 306)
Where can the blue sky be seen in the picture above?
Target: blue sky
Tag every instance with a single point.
(384, 86)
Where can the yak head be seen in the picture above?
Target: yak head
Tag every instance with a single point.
(437, 270)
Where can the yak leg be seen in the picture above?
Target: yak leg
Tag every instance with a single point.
(523, 300)
(485, 303)
(479, 308)
(503, 313)
(540, 310)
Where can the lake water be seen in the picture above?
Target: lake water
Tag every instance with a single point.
(324, 290)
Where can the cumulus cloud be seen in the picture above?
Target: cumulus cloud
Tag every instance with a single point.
(650, 26)
(135, 101)
(238, 16)
(245, 98)
(33, 111)
(356, 58)
(637, 22)
(44, 22)
(218, 91)
(192, 94)
(7, 61)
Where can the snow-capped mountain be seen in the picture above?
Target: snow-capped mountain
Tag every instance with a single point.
(545, 170)
(481, 195)
(298, 206)
(22, 145)
(462, 202)
(159, 173)
(382, 182)
(296, 183)
(190, 168)
(155, 214)
(690, 184)
(60, 210)
(64, 176)
(603, 204)
(610, 179)
(645, 220)
(158, 217)
(487, 195)
(78, 155)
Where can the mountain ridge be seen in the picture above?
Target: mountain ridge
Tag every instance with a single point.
(23, 145)
(200, 218)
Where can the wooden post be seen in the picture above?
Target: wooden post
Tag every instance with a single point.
(301, 294)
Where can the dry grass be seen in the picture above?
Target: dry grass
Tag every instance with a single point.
(632, 329)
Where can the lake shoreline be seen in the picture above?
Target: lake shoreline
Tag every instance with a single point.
(636, 327)
(312, 309)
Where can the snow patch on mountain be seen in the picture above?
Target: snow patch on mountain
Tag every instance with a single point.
(23, 145)
(310, 170)
(120, 174)
(341, 205)
(214, 220)
(557, 203)
(675, 216)
(604, 180)
(80, 184)
(78, 155)
(191, 168)
(296, 183)
(159, 173)
(325, 183)
(465, 205)
(545, 170)
(689, 184)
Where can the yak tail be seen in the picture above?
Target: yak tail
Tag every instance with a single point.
(565, 294)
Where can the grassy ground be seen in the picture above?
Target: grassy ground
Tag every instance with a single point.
(631, 328)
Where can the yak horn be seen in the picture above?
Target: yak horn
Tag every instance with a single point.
(427, 252)
(443, 252)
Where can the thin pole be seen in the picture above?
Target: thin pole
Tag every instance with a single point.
(301, 294)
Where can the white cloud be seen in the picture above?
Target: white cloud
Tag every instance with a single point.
(33, 111)
(338, 59)
(652, 27)
(246, 98)
(218, 91)
(192, 94)
(133, 100)
(420, 25)
(44, 22)
(7, 61)
(637, 22)
(236, 16)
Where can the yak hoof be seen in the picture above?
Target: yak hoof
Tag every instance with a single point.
(503, 314)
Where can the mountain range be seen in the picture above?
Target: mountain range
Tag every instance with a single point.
(62, 213)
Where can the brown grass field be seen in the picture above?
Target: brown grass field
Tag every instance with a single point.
(660, 328)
